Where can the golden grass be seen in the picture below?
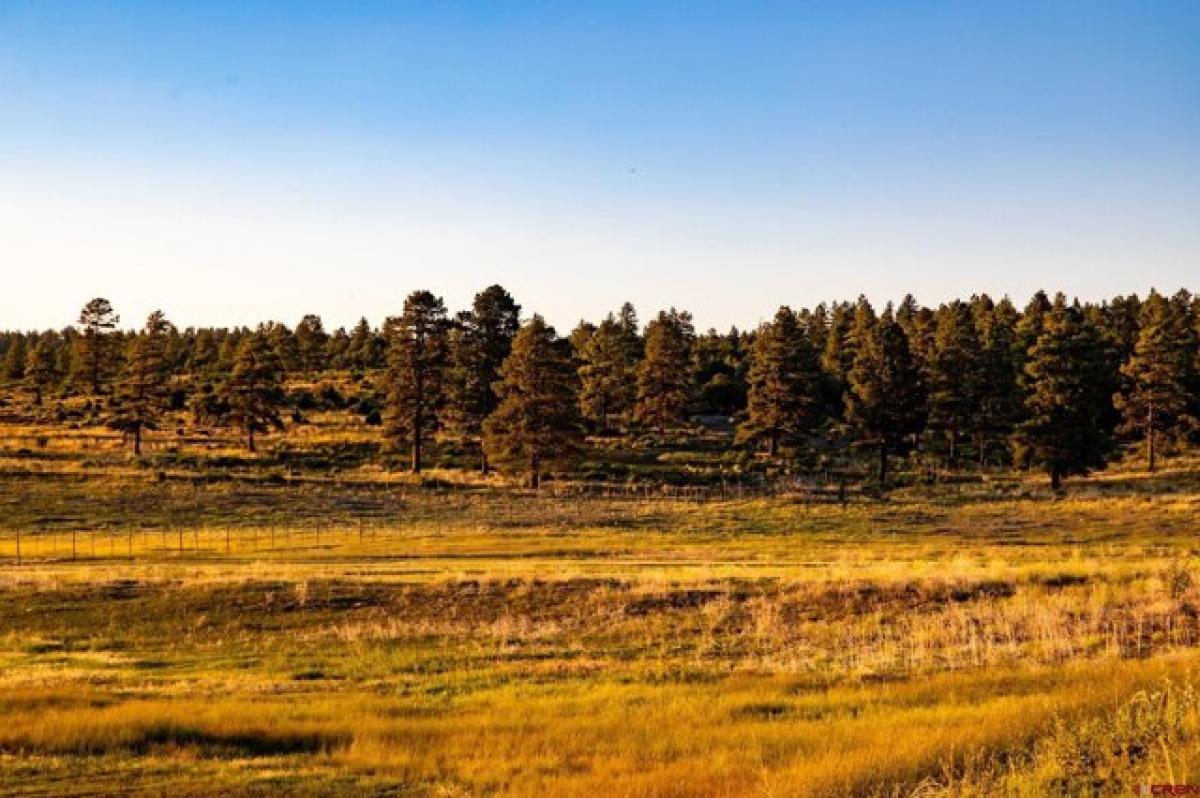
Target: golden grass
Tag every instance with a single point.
(337, 636)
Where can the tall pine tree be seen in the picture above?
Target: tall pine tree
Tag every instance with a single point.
(479, 342)
(416, 365)
(627, 320)
(367, 349)
(999, 407)
(953, 374)
(1155, 400)
(837, 358)
(1066, 402)
(41, 366)
(311, 341)
(536, 426)
(15, 357)
(884, 401)
(784, 400)
(664, 379)
(607, 375)
(94, 355)
(143, 394)
(254, 391)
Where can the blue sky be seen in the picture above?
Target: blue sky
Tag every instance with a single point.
(233, 162)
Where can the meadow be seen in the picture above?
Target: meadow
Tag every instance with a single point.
(185, 630)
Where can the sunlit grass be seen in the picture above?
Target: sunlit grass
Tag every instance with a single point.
(324, 636)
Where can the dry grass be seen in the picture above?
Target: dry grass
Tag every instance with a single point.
(322, 634)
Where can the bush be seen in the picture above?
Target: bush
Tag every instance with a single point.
(331, 397)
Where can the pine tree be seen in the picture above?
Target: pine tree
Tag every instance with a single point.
(231, 341)
(15, 357)
(719, 372)
(536, 425)
(41, 366)
(664, 379)
(416, 367)
(66, 354)
(816, 326)
(627, 320)
(479, 341)
(283, 341)
(607, 375)
(1193, 382)
(95, 344)
(205, 354)
(579, 337)
(1066, 402)
(367, 349)
(1155, 400)
(311, 340)
(953, 374)
(999, 407)
(1029, 327)
(884, 401)
(784, 398)
(920, 328)
(1122, 321)
(254, 391)
(337, 350)
(142, 393)
(178, 348)
(838, 355)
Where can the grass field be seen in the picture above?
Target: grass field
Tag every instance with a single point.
(320, 636)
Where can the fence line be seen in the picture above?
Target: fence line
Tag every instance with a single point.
(164, 544)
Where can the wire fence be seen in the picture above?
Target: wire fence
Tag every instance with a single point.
(374, 528)
(84, 545)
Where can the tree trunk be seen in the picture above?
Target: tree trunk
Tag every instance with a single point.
(1055, 479)
(953, 446)
(137, 440)
(37, 395)
(1150, 436)
(250, 438)
(416, 453)
(535, 471)
(883, 464)
(773, 449)
(485, 467)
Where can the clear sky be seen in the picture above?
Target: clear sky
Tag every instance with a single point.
(232, 162)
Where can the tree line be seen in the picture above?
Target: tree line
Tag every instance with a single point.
(1056, 385)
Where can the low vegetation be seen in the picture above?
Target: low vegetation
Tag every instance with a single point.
(201, 630)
